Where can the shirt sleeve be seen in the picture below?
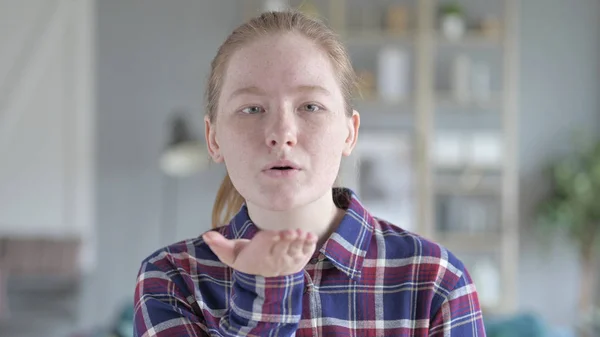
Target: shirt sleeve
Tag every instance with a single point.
(460, 313)
(258, 306)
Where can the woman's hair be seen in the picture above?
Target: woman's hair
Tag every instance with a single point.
(228, 200)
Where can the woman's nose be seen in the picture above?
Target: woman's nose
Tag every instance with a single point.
(283, 130)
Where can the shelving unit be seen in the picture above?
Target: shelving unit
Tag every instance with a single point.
(431, 110)
(374, 37)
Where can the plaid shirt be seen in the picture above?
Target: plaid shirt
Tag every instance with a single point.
(370, 278)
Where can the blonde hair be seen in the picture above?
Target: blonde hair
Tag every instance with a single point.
(228, 200)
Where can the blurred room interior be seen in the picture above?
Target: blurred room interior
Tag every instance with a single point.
(480, 131)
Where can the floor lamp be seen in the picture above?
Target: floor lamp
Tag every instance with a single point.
(184, 156)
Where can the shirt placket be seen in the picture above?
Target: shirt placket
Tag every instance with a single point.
(311, 306)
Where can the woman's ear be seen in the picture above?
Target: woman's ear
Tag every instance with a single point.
(212, 145)
(353, 126)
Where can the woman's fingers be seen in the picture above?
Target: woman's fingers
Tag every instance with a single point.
(309, 244)
(224, 249)
(281, 247)
(213, 237)
(295, 249)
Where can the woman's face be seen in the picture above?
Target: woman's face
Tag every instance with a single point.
(281, 126)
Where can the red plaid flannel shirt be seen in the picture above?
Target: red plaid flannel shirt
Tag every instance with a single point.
(370, 278)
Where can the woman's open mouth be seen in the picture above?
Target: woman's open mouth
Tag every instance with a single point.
(281, 169)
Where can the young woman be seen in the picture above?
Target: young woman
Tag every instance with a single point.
(298, 256)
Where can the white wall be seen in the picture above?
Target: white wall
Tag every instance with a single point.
(46, 130)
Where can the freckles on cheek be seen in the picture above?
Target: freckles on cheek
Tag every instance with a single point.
(235, 137)
(332, 133)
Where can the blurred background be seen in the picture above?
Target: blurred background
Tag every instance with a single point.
(480, 124)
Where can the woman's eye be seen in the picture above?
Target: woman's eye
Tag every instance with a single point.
(312, 107)
(252, 110)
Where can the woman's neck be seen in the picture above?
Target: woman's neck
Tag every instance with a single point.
(320, 217)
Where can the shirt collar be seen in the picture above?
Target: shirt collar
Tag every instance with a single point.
(346, 248)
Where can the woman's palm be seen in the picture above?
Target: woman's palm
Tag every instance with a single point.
(268, 253)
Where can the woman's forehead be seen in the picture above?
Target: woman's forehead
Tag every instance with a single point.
(287, 60)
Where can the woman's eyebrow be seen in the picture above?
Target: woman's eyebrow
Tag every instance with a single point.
(311, 88)
(251, 90)
(254, 90)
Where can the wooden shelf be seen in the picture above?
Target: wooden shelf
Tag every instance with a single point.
(468, 169)
(376, 37)
(379, 105)
(470, 242)
(446, 99)
(480, 189)
(384, 115)
(472, 38)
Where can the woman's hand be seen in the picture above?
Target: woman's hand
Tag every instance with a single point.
(269, 253)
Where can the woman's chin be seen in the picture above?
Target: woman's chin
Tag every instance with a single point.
(280, 200)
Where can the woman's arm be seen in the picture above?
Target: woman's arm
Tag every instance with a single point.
(258, 306)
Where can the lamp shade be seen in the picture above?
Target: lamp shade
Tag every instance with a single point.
(184, 155)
